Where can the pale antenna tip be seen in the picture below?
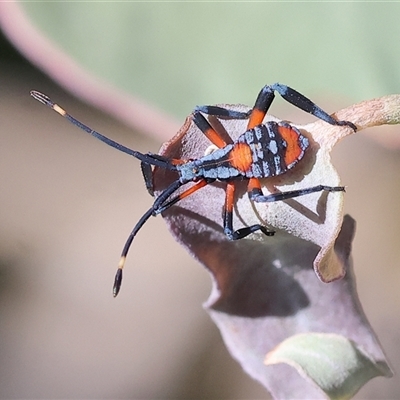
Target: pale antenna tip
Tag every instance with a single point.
(47, 101)
(118, 276)
(41, 97)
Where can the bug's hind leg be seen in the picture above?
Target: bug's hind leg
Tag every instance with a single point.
(299, 100)
(255, 193)
(228, 219)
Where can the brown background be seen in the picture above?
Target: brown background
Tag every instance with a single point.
(67, 204)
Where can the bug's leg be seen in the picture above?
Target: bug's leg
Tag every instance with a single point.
(255, 115)
(228, 219)
(147, 172)
(261, 106)
(255, 193)
(223, 112)
(200, 184)
(202, 123)
(299, 100)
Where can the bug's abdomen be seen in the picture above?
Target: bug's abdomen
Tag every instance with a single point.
(268, 150)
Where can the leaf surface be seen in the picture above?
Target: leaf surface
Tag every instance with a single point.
(266, 289)
(334, 363)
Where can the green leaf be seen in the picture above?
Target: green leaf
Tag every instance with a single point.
(177, 55)
(333, 362)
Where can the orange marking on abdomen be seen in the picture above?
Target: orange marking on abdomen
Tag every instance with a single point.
(241, 157)
(293, 150)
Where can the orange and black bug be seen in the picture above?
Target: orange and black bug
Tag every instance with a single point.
(263, 150)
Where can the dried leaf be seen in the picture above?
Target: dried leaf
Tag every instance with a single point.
(264, 289)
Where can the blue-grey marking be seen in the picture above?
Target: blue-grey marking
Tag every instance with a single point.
(273, 147)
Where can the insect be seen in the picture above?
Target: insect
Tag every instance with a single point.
(264, 150)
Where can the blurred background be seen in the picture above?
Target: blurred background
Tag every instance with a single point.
(68, 202)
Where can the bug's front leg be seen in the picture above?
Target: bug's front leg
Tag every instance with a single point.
(147, 172)
(202, 123)
(198, 185)
(222, 112)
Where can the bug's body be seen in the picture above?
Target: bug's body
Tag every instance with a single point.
(263, 150)
(266, 150)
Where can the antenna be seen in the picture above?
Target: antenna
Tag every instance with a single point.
(147, 159)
